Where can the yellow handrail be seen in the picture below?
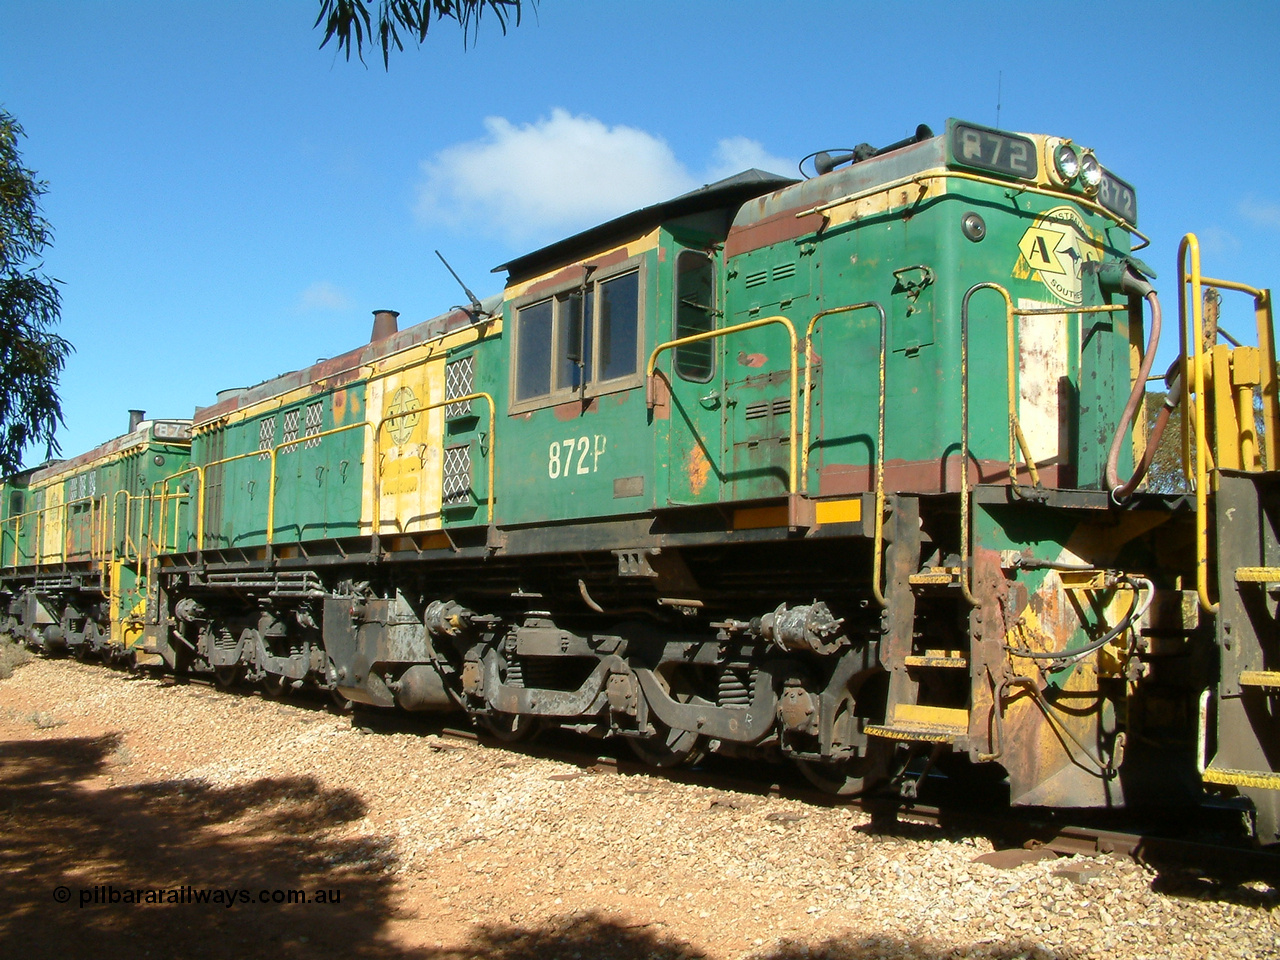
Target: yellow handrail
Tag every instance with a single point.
(1193, 377)
(724, 332)
(40, 513)
(260, 454)
(198, 470)
(877, 563)
(271, 484)
(1017, 440)
(1012, 352)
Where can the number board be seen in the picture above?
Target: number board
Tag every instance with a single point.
(987, 149)
(1118, 197)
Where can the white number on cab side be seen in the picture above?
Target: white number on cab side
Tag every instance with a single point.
(575, 456)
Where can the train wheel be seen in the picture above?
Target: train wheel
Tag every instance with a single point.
(856, 775)
(668, 747)
(851, 778)
(227, 677)
(274, 686)
(509, 727)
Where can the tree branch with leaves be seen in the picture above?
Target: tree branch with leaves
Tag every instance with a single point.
(351, 24)
(31, 354)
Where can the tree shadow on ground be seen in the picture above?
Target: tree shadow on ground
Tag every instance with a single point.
(72, 837)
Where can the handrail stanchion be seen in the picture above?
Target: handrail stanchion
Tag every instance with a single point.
(724, 332)
(877, 563)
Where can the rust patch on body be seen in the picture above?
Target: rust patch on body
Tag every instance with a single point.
(574, 409)
(780, 227)
(698, 467)
(575, 273)
(751, 359)
(929, 476)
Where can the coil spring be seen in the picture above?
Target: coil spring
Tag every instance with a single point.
(515, 672)
(732, 689)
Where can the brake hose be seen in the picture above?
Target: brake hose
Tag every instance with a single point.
(1138, 609)
(1120, 490)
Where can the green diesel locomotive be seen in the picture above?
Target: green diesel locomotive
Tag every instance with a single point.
(843, 471)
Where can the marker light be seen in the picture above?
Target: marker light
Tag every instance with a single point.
(1066, 162)
(1090, 172)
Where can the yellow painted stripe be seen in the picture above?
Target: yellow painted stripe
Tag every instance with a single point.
(838, 511)
(1261, 779)
(1260, 678)
(1258, 575)
(428, 350)
(899, 733)
(755, 518)
(949, 662)
(912, 721)
(909, 713)
(924, 579)
(640, 245)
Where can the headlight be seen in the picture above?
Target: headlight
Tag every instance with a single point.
(1066, 162)
(1090, 172)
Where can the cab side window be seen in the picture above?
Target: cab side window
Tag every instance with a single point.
(579, 342)
(695, 313)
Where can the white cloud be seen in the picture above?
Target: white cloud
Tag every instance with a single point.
(1215, 240)
(324, 296)
(1261, 212)
(564, 173)
(736, 154)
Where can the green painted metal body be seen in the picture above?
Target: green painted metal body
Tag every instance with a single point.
(94, 508)
(726, 437)
(318, 483)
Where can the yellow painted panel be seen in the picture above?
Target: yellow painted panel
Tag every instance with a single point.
(406, 452)
(915, 714)
(839, 511)
(54, 525)
(755, 518)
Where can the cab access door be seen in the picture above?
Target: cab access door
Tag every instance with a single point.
(694, 383)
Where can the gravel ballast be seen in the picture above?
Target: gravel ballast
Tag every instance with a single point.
(442, 848)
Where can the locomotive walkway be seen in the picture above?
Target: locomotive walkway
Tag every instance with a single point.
(449, 848)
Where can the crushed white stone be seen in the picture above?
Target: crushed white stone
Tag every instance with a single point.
(485, 834)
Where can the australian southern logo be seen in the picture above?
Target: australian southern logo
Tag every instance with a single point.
(402, 415)
(1055, 248)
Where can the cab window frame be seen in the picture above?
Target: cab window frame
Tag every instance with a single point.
(681, 355)
(554, 373)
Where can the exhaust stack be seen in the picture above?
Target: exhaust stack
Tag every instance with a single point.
(384, 325)
(135, 418)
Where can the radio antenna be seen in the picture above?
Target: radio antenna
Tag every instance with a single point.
(473, 308)
(999, 90)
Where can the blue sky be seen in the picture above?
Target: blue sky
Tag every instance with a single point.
(231, 202)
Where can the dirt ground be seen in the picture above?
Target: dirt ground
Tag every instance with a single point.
(205, 807)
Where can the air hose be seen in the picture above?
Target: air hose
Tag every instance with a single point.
(1144, 592)
(1133, 283)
